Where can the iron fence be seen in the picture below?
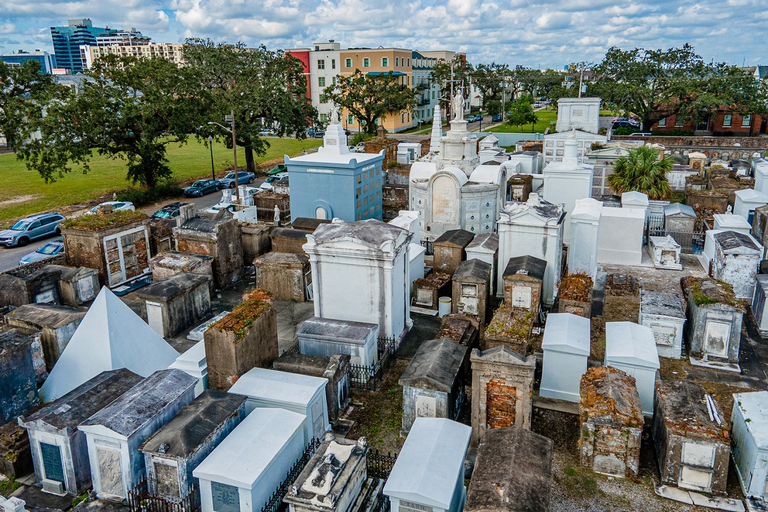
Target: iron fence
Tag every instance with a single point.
(379, 465)
(691, 242)
(142, 499)
(275, 502)
(369, 376)
(428, 247)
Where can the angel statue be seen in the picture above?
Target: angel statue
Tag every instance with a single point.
(334, 114)
(458, 105)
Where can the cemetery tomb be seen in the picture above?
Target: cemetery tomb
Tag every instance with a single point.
(471, 289)
(326, 337)
(115, 433)
(433, 383)
(502, 384)
(289, 240)
(247, 467)
(730, 222)
(611, 420)
(78, 286)
(174, 451)
(735, 261)
(585, 227)
(679, 218)
(450, 250)
(485, 247)
(285, 275)
(523, 278)
(176, 303)
(749, 424)
(290, 391)
(692, 449)
(18, 388)
(461, 328)
(663, 313)
(760, 304)
(194, 363)
(219, 239)
(747, 201)
(566, 346)
(512, 473)
(59, 450)
(30, 285)
(170, 263)
(665, 252)
(631, 348)
(620, 238)
(428, 290)
(575, 295)
(429, 472)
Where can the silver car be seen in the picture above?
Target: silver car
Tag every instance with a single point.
(31, 228)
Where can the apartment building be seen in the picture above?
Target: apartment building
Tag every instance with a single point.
(169, 51)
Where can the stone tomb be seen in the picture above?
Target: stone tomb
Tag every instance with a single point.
(713, 328)
(78, 286)
(450, 250)
(730, 222)
(631, 348)
(523, 278)
(749, 421)
(244, 339)
(56, 323)
(301, 394)
(289, 240)
(326, 337)
(170, 263)
(679, 218)
(665, 252)
(485, 247)
(502, 383)
(461, 328)
(692, 450)
(585, 227)
(428, 290)
(23, 285)
(334, 368)
(760, 304)
(115, 433)
(663, 313)
(332, 479)
(429, 472)
(177, 448)
(735, 261)
(471, 289)
(611, 422)
(285, 275)
(176, 303)
(15, 454)
(512, 473)
(59, 450)
(620, 238)
(242, 473)
(747, 201)
(219, 239)
(566, 347)
(194, 363)
(18, 389)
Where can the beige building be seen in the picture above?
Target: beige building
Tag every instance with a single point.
(169, 51)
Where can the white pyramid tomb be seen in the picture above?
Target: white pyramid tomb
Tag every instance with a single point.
(111, 336)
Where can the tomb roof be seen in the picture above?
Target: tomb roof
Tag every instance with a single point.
(435, 366)
(474, 269)
(678, 209)
(730, 240)
(489, 241)
(609, 396)
(173, 286)
(370, 231)
(654, 302)
(457, 237)
(46, 315)
(566, 332)
(278, 387)
(630, 343)
(683, 407)
(289, 233)
(344, 329)
(754, 410)
(526, 265)
(283, 258)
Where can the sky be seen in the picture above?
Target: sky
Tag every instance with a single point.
(545, 34)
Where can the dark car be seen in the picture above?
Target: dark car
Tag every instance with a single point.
(624, 124)
(497, 118)
(169, 211)
(46, 251)
(202, 187)
(31, 228)
(243, 177)
(316, 133)
(479, 117)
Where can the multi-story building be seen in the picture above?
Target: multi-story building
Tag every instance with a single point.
(721, 122)
(427, 90)
(67, 41)
(325, 67)
(47, 61)
(124, 37)
(169, 51)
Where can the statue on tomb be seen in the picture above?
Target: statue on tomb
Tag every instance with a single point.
(277, 215)
(334, 114)
(457, 105)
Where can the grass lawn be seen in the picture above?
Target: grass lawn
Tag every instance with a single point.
(545, 116)
(24, 192)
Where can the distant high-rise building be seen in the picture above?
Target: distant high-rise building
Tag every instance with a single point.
(46, 60)
(67, 41)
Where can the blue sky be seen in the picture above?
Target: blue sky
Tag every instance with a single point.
(535, 34)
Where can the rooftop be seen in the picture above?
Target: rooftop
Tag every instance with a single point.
(526, 265)
(475, 269)
(754, 410)
(630, 343)
(609, 396)
(566, 332)
(489, 241)
(346, 330)
(278, 387)
(435, 366)
(458, 237)
(653, 302)
(729, 240)
(684, 409)
(369, 231)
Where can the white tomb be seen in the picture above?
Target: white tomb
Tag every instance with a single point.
(530, 162)
(665, 252)
(533, 228)
(663, 313)
(410, 221)
(111, 336)
(620, 240)
(747, 201)
(760, 170)
(326, 337)
(631, 348)
(194, 363)
(567, 181)
(585, 227)
(242, 473)
(429, 472)
(290, 391)
(635, 199)
(408, 152)
(730, 222)
(749, 432)
(360, 272)
(735, 260)
(566, 346)
(760, 303)
(578, 114)
(485, 247)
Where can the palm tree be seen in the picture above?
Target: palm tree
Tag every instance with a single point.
(642, 170)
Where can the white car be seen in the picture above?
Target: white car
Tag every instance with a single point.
(267, 185)
(117, 206)
(223, 204)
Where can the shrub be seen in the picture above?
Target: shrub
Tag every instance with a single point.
(146, 196)
(360, 137)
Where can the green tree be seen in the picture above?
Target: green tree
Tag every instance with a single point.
(492, 79)
(521, 113)
(457, 72)
(642, 170)
(265, 89)
(537, 83)
(371, 97)
(129, 109)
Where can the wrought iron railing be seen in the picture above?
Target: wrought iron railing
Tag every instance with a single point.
(379, 465)
(275, 502)
(369, 376)
(142, 499)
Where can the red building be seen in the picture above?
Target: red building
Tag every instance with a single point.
(302, 54)
(721, 122)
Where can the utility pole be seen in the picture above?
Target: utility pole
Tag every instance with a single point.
(581, 78)
(234, 151)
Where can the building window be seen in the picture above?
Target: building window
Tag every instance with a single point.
(746, 120)
(366, 62)
(663, 122)
(350, 119)
(397, 61)
(409, 63)
(323, 118)
(408, 117)
(727, 119)
(407, 80)
(384, 62)
(321, 81)
(321, 64)
(347, 63)
(402, 118)
(333, 63)
(678, 121)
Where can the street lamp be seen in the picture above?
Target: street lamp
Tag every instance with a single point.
(231, 119)
(210, 145)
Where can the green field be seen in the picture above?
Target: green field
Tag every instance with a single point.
(23, 192)
(545, 116)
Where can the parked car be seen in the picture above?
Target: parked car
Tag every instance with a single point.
(470, 119)
(227, 205)
(479, 117)
(117, 206)
(202, 187)
(46, 251)
(243, 177)
(169, 211)
(496, 118)
(360, 147)
(267, 133)
(316, 133)
(275, 170)
(624, 124)
(267, 185)
(31, 228)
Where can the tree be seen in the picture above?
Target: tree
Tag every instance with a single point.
(642, 170)
(265, 89)
(370, 97)
(492, 79)
(456, 72)
(129, 109)
(537, 83)
(24, 90)
(521, 113)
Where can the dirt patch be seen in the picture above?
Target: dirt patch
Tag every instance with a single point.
(576, 287)
(20, 199)
(621, 284)
(615, 309)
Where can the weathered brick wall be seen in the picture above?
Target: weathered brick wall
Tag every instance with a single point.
(283, 280)
(510, 283)
(500, 405)
(715, 147)
(394, 199)
(609, 450)
(388, 145)
(255, 240)
(576, 307)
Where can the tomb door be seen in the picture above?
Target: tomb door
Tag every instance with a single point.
(717, 336)
(320, 213)
(521, 297)
(696, 466)
(225, 497)
(52, 465)
(343, 391)
(469, 298)
(426, 406)
(500, 404)
(85, 288)
(155, 317)
(664, 334)
(110, 472)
